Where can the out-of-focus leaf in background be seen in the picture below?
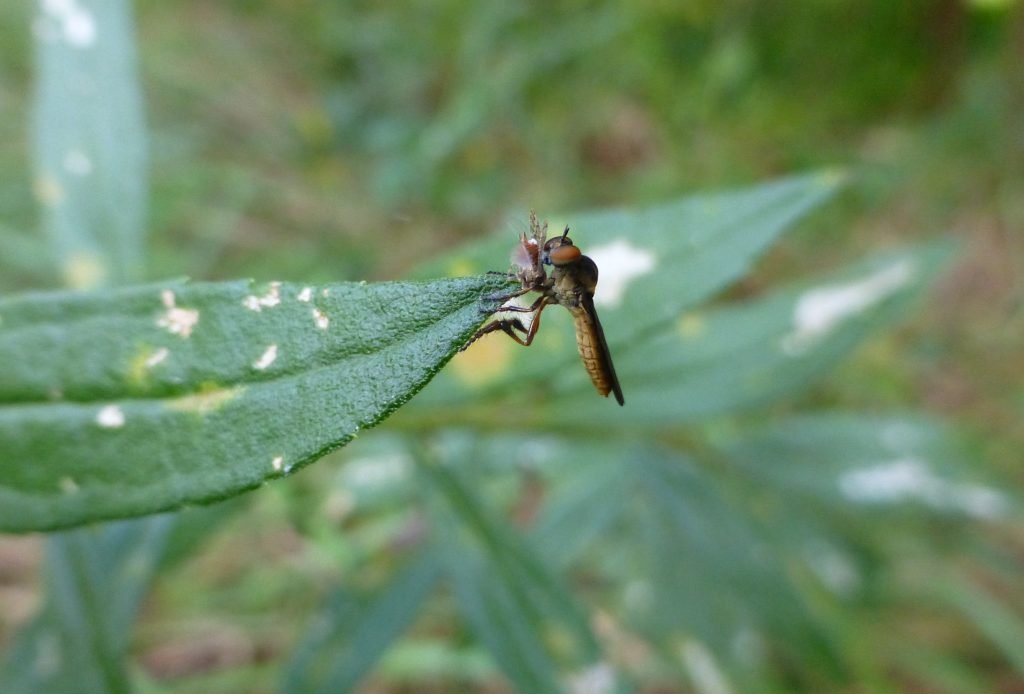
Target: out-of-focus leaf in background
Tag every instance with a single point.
(90, 140)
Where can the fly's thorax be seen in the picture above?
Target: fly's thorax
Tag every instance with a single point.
(569, 283)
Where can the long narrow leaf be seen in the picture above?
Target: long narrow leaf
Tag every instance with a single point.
(517, 607)
(350, 635)
(95, 581)
(90, 142)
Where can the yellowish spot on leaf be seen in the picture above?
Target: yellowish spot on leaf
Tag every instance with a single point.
(143, 362)
(84, 270)
(306, 295)
(68, 485)
(48, 190)
(692, 326)
(209, 399)
(460, 267)
(830, 178)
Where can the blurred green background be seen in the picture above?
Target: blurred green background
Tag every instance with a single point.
(327, 141)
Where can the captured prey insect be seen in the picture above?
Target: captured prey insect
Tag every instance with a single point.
(571, 283)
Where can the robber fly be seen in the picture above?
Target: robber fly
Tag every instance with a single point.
(571, 283)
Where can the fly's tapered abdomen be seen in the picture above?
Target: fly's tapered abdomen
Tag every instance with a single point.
(594, 350)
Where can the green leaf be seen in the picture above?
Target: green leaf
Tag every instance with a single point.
(1003, 627)
(94, 583)
(90, 142)
(142, 399)
(843, 463)
(518, 608)
(667, 526)
(351, 634)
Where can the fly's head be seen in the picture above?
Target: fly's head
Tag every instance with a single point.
(572, 272)
(560, 251)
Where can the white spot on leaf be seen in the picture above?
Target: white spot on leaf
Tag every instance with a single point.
(618, 264)
(819, 311)
(77, 163)
(177, 321)
(910, 479)
(277, 463)
(306, 295)
(77, 25)
(157, 357)
(110, 417)
(48, 190)
(266, 359)
(596, 679)
(269, 300)
(68, 485)
(322, 321)
(80, 28)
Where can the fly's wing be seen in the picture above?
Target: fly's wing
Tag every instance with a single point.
(594, 348)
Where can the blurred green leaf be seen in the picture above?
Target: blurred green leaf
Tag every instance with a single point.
(349, 636)
(990, 616)
(90, 141)
(23, 253)
(693, 562)
(843, 463)
(519, 609)
(95, 581)
(142, 399)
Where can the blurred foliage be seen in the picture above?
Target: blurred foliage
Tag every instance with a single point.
(350, 140)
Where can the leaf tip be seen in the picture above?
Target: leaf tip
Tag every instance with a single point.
(834, 177)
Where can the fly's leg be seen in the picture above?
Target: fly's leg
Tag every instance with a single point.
(510, 325)
(507, 326)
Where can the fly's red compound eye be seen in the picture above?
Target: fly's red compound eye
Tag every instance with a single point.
(564, 254)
